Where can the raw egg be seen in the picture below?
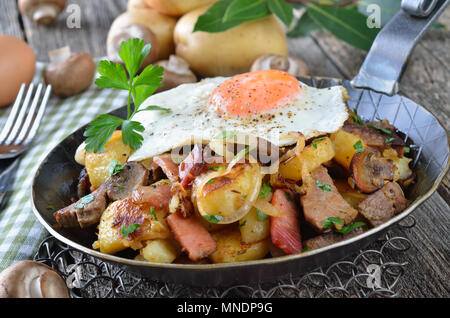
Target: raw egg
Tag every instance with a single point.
(17, 66)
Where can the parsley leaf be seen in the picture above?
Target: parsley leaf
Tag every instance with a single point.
(323, 186)
(265, 191)
(327, 223)
(153, 212)
(358, 147)
(243, 223)
(214, 218)
(210, 181)
(406, 149)
(305, 249)
(114, 75)
(127, 230)
(316, 140)
(386, 131)
(350, 227)
(261, 215)
(114, 167)
(389, 140)
(85, 200)
(354, 116)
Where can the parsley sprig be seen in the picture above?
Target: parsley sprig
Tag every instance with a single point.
(139, 87)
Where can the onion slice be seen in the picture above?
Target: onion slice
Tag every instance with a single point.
(266, 207)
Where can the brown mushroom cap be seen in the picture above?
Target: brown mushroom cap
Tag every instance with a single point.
(117, 36)
(69, 74)
(176, 72)
(42, 11)
(29, 279)
(369, 170)
(290, 64)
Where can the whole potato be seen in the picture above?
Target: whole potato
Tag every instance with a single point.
(230, 52)
(177, 7)
(160, 24)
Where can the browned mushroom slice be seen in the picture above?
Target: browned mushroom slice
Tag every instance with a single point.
(121, 185)
(376, 134)
(382, 205)
(369, 170)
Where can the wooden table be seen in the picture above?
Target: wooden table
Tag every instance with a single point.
(426, 81)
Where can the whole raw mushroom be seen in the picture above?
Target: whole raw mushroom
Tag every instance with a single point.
(68, 73)
(290, 64)
(42, 12)
(229, 52)
(117, 36)
(29, 279)
(176, 72)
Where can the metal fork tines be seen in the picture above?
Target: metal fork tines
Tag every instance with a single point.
(23, 121)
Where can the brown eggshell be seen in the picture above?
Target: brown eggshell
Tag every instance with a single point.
(17, 66)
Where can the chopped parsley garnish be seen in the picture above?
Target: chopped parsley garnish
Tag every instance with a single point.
(152, 210)
(210, 181)
(243, 223)
(215, 168)
(85, 200)
(124, 77)
(354, 116)
(350, 227)
(406, 149)
(127, 230)
(327, 223)
(119, 187)
(358, 147)
(316, 140)
(214, 218)
(114, 167)
(305, 249)
(323, 186)
(389, 140)
(386, 131)
(225, 135)
(261, 215)
(265, 191)
(343, 212)
(50, 207)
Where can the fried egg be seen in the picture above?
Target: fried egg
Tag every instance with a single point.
(268, 104)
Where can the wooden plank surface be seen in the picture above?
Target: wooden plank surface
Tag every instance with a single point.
(426, 81)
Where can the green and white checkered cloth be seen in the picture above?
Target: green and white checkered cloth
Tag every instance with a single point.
(20, 231)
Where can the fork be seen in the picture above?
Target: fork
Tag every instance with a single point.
(19, 130)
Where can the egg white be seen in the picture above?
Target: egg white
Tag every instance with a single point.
(313, 112)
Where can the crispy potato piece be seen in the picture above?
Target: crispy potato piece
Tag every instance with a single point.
(312, 157)
(401, 165)
(97, 164)
(352, 196)
(230, 247)
(124, 213)
(253, 229)
(343, 143)
(160, 251)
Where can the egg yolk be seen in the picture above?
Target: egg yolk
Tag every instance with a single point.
(254, 93)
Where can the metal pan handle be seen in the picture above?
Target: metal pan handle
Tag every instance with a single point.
(385, 61)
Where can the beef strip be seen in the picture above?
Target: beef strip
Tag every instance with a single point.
(329, 238)
(121, 185)
(382, 205)
(192, 166)
(84, 184)
(83, 215)
(319, 205)
(375, 137)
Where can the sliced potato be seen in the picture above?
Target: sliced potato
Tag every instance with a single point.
(230, 247)
(254, 229)
(352, 196)
(97, 164)
(160, 251)
(312, 157)
(343, 143)
(401, 165)
(225, 195)
(123, 213)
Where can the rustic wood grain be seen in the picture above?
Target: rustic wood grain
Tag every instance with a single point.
(426, 81)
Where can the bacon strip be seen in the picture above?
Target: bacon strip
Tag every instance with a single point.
(192, 236)
(192, 166)
(156, 195)
(167, 165)
(285, 229)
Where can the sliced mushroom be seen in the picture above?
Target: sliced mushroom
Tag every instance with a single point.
(29, 279)
(289, 64)
(68, 73)
(42, 11)
(118, 35)
(369, 170)
(121, 185)
(176, 72)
